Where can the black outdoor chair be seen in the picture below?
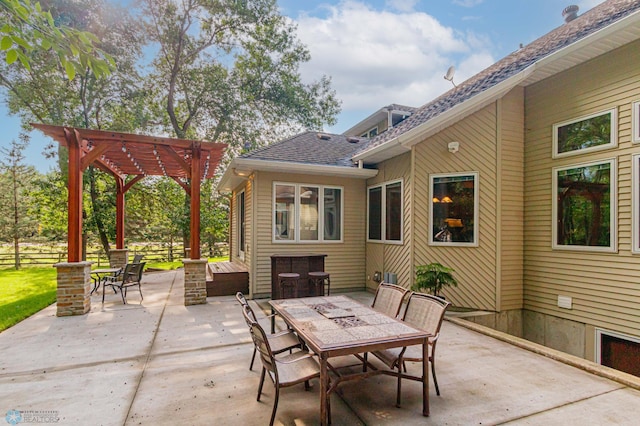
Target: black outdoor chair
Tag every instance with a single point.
(131, 276)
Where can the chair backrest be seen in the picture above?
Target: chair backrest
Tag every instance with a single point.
(261, 342)
(137, 258)
(135, 272)
(388, 299)
(243, 302)
(125, 273)
(425, 312)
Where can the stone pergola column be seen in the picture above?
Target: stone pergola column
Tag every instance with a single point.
(74, 288)
(118, 258)
(195, 281)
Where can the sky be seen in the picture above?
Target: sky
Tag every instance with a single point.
(379, 52)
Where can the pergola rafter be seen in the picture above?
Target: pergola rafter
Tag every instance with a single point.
(125, 154)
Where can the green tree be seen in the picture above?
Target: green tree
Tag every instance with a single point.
(27, 29)
(50, 209)
(16, 177)
(228, 71)
(115, 102)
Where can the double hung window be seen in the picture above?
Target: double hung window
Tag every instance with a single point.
(384, 212)
(307, 213)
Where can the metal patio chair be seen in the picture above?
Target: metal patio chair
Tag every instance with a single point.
(280, 342)
(131, 276)
(425, 312)
(285, 371)
(388, 299)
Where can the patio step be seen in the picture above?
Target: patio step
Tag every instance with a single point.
(227, 278)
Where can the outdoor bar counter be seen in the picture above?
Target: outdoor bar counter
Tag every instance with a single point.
(301, 263)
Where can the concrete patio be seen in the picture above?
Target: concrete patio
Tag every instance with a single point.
(160, 362)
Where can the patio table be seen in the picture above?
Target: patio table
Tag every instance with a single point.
(334, 326)
(99, 275)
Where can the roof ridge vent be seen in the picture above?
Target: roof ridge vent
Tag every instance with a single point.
(352, 139)
(570, 13)
(324, 136)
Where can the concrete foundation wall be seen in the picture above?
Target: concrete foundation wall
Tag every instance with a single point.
(557, 333)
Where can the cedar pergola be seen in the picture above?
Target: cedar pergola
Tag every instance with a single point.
(187, 162)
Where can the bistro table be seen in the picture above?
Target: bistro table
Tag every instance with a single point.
(334, 326)
(100, 275)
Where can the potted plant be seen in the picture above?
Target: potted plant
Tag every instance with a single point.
(432, 278)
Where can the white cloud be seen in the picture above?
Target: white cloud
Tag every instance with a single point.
(402, 5)
(378, 57)
(467, 3)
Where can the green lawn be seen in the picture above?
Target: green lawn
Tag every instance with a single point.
(25, 292)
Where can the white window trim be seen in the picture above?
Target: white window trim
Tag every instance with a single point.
(635, 122)
(241, 250)
(383, 217)
(476, 208)
(635, 200)
(297, 239)
(613, 248)
(613, 136)
(598, 343)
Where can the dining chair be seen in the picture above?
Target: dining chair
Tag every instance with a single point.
(425, 312)
(131, 276)
(289, 370)
(280, 342)
(388, 299)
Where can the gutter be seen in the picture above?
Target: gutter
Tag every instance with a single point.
(241, 168)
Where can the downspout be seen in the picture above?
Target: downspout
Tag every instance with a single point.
(253, 254)
(498, 205)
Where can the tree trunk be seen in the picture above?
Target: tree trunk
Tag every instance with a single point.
(16, 221)
(104, 240)
(16, 251)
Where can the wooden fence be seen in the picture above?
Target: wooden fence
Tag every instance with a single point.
(50, 256)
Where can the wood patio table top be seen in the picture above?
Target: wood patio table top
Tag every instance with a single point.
(333, 326)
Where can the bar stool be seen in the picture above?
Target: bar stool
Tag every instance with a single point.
(318, 281)
(288, 281)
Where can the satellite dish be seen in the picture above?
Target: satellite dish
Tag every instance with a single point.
(449, 75)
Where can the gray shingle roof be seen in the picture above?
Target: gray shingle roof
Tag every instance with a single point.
(309, 148)
(586, 24)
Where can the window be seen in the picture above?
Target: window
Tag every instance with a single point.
(583, 207)
(454, 209)
(307, 213)
(590, 133)
(241, 224)
(384, 212)
(370, 133)
(635, 123)
(618, 351)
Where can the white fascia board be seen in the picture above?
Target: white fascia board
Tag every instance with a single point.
(304, 168)
(231, 180)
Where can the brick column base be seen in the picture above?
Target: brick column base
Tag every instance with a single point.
(118, 258)
(74, 288)
(195, 281)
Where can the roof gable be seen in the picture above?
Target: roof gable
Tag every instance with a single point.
(589, 23)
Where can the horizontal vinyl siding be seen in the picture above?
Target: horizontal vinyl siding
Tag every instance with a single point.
(394, 258)
(605, 287)
(345, 261)
(511, 204)
(474, 267)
